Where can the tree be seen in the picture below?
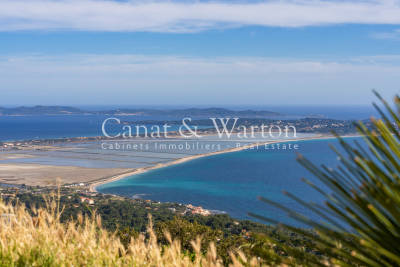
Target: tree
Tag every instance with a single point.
(362, 210)
(186, 232)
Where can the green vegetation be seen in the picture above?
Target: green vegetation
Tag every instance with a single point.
(362, 210)
(128, 218)
(40, 239)
(361, 221)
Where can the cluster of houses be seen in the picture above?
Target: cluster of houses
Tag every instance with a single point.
(22, 145)
(198, 210)
(10, 192)
(9, 145)
(87, 200)
(75, 185)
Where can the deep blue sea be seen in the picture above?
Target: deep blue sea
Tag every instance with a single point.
(60, 126)
(42, 127)
(14, 128)
(226, 182)
(231, 182)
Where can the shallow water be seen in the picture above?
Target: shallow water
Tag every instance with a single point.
(231, 182)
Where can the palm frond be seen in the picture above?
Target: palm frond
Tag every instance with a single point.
(361, 216)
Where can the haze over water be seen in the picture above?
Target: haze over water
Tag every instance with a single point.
(60, 126)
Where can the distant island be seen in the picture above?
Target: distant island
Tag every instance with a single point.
(194, 112)
(39, 110)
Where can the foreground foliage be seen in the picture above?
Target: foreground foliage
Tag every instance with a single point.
(127, 218)
(361, 222)
(41, 240)
(362, 210)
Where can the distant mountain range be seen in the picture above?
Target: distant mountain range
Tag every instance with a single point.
(195, 112)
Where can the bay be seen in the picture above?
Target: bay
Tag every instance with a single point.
(231, 182)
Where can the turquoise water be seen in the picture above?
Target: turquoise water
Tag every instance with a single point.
(231, 182)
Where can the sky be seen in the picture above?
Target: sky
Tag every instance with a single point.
(287, 52)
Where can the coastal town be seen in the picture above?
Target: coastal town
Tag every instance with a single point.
(307, 125)
(78, 194)
(199, 133)
(91, 160)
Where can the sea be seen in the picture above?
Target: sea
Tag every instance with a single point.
(14, 128)
(226, 183)
(231, 183)
(37, 127)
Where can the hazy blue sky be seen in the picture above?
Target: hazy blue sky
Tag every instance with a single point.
(78, 52)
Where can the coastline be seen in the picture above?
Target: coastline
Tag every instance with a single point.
(92, 186)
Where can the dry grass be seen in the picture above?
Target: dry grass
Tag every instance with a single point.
(41, 240)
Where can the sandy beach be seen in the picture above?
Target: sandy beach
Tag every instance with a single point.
(90, 165)
(92, 186)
